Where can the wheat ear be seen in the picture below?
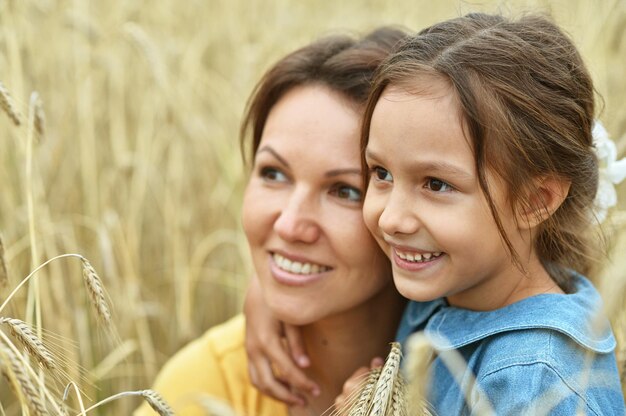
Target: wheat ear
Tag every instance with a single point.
(366, 394)
(96, 292)
(157, 402)
(7, 104)
(398, 399)
(18, 379)
(384, 386)
(40, 119)
(29, 340)
(4, 274)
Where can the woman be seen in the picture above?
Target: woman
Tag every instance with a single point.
(317, 265)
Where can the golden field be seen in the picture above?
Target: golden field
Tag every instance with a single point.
(138, 169)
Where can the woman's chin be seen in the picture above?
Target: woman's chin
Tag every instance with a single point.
(294, 314)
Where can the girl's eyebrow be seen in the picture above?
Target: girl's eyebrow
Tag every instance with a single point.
(369, 154)
(273, 152)
(443, 167)
(432, 166)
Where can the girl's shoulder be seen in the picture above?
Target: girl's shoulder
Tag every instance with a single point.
(555, 350)
(577, 316)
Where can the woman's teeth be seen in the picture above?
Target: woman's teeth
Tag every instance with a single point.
(418, 258)
(296, 267)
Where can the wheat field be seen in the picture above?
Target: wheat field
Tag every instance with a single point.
(119, 141)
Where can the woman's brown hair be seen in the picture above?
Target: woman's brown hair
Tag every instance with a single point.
(342, 63)
(528, 105)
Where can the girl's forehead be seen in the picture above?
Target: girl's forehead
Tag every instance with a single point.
(422, 84)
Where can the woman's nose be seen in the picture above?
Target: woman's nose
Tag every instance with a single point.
(399, 215)
(297, 221)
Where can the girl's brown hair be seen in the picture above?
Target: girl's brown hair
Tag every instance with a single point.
(342, 63)
(528, 105)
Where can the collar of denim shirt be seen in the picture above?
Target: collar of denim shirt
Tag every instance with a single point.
(578, 315)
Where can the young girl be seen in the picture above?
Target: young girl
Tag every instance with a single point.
(477, 137)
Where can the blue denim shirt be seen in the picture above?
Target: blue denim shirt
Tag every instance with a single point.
(549, 354)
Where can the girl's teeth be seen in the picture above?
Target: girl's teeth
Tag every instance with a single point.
(418, 258)
(297, 267)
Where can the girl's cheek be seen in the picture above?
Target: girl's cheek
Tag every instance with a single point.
(371, 211)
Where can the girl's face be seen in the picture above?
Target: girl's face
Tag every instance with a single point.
(424, 204)
(313, 255)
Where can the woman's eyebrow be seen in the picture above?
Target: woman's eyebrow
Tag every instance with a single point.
(269, 149)
(338, 172)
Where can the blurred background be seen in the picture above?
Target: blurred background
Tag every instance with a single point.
(137, 166)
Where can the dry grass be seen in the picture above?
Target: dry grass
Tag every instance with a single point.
(140, 168)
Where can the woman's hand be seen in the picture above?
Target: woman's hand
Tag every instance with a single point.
(350, 387)
(272, 345)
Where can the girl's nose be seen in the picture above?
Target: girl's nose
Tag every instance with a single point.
(298, 221)
(399, 215)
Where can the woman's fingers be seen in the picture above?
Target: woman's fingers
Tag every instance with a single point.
(268, 384)
(377, 362)
(350, 388)
(296, 345)
(289, 372)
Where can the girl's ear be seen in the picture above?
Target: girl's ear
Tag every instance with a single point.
(545, 197)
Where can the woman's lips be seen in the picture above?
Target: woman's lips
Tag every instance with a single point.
(295, 273)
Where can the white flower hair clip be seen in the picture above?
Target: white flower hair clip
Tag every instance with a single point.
(612, 171)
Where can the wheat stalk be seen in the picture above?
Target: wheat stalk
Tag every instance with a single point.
(215, 407)
(7, 104)
(12, 370)
(4, 274)
(96, 292)
(153, 398)
(419, 357)
(27, 337)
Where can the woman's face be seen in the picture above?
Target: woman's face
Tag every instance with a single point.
(302, 210)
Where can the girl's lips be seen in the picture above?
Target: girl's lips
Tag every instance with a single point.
(415, 266)
(293, 279)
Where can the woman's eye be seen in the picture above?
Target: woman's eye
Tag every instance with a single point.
(438, 185)
(346, 192)
(273, 175)
(381, 174)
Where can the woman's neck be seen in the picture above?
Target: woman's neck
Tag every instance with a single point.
(338, 345)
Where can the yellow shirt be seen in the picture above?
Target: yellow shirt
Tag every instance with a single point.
(214, 365)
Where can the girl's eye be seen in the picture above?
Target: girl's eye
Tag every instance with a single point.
(437, 185)
(273, 175)
(381, 174)
(346, 192)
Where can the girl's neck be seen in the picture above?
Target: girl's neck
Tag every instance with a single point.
(517, 285)
(338, 345)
